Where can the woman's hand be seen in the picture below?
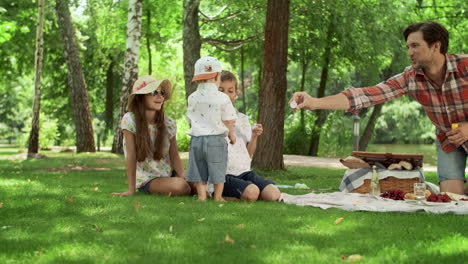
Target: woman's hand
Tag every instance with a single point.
(127, 193)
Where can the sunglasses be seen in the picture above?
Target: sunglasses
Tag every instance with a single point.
(156, 92)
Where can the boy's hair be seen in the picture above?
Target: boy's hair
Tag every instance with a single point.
(228, 76)
(432, 32)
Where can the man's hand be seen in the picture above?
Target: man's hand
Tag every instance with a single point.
(458, 135)
(303, 100)
(128, 193)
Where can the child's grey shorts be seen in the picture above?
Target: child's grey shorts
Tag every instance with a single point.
(207, 159)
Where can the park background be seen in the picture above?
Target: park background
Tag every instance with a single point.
(327, 46)
(57, 207)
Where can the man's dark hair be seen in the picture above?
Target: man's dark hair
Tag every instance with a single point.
(228, 76)
(432, 32)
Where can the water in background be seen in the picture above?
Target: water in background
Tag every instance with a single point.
(429, 151)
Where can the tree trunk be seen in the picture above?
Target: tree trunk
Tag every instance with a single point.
(191, 43)
(244, 103)
(109, 110)
(369, 130)
(130, 66)
(76, 81)
(269, 154)
(148, 42)
(303, 77)
(33, 146)
(321, 116)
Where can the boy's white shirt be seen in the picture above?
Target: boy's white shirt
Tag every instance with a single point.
(238, 155)
(207, 109)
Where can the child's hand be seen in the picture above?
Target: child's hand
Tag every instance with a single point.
(232, 139)
(258, 130)
(128, 193)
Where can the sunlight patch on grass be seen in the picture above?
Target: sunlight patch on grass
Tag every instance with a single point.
(449, 245)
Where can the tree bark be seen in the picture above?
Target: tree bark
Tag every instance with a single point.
(269, 154)
(76, 81)
(33, 146)
(369, 130)
(321, 116)
(148, 42)
(130, 66)
(191, 43)
(370, 126)
(244, 103)
(109, 110)
(304, 65)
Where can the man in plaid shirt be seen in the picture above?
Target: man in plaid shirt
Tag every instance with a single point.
(438, 81)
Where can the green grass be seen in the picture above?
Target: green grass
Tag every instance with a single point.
(59, 217)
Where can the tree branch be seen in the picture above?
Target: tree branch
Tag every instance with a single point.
(213, 17)
(230, 16)
(438, 6)
(214, 41)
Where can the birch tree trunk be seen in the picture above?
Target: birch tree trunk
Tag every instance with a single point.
(33, 146)
(76, 81)
(191, 43)
(130, 66)
(269, 154)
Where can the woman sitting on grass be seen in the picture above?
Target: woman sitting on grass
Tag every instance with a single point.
(150, 145)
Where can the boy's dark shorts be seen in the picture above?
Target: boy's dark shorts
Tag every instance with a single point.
(235, 185)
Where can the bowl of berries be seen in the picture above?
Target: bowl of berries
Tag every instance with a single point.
(439, 198)
(394, 195)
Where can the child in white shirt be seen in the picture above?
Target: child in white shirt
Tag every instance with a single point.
(212, 117)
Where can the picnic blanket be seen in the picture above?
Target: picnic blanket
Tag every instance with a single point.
(354, 178)
(365, 202)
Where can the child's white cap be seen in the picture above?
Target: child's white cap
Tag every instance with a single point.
(206, 68)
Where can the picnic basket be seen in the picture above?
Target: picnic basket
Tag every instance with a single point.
(391, 182)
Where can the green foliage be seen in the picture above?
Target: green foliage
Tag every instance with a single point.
(404, 121)
(183, 139)
(367, 44)
(48, 133)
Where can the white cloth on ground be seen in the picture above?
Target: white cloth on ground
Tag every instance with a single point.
(365, 202)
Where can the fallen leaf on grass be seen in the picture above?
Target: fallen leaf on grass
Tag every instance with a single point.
(240, 226)
(170, 229)
(220, 205)
(137, 205)
(70, 200)
(354, 258)
(38, 252)
(227, 239)
(181, 203)
(1, 205)
(97, 228)
(253, 246)
(95, 188)
(201, 219)
(343, 257)
(339, 220)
